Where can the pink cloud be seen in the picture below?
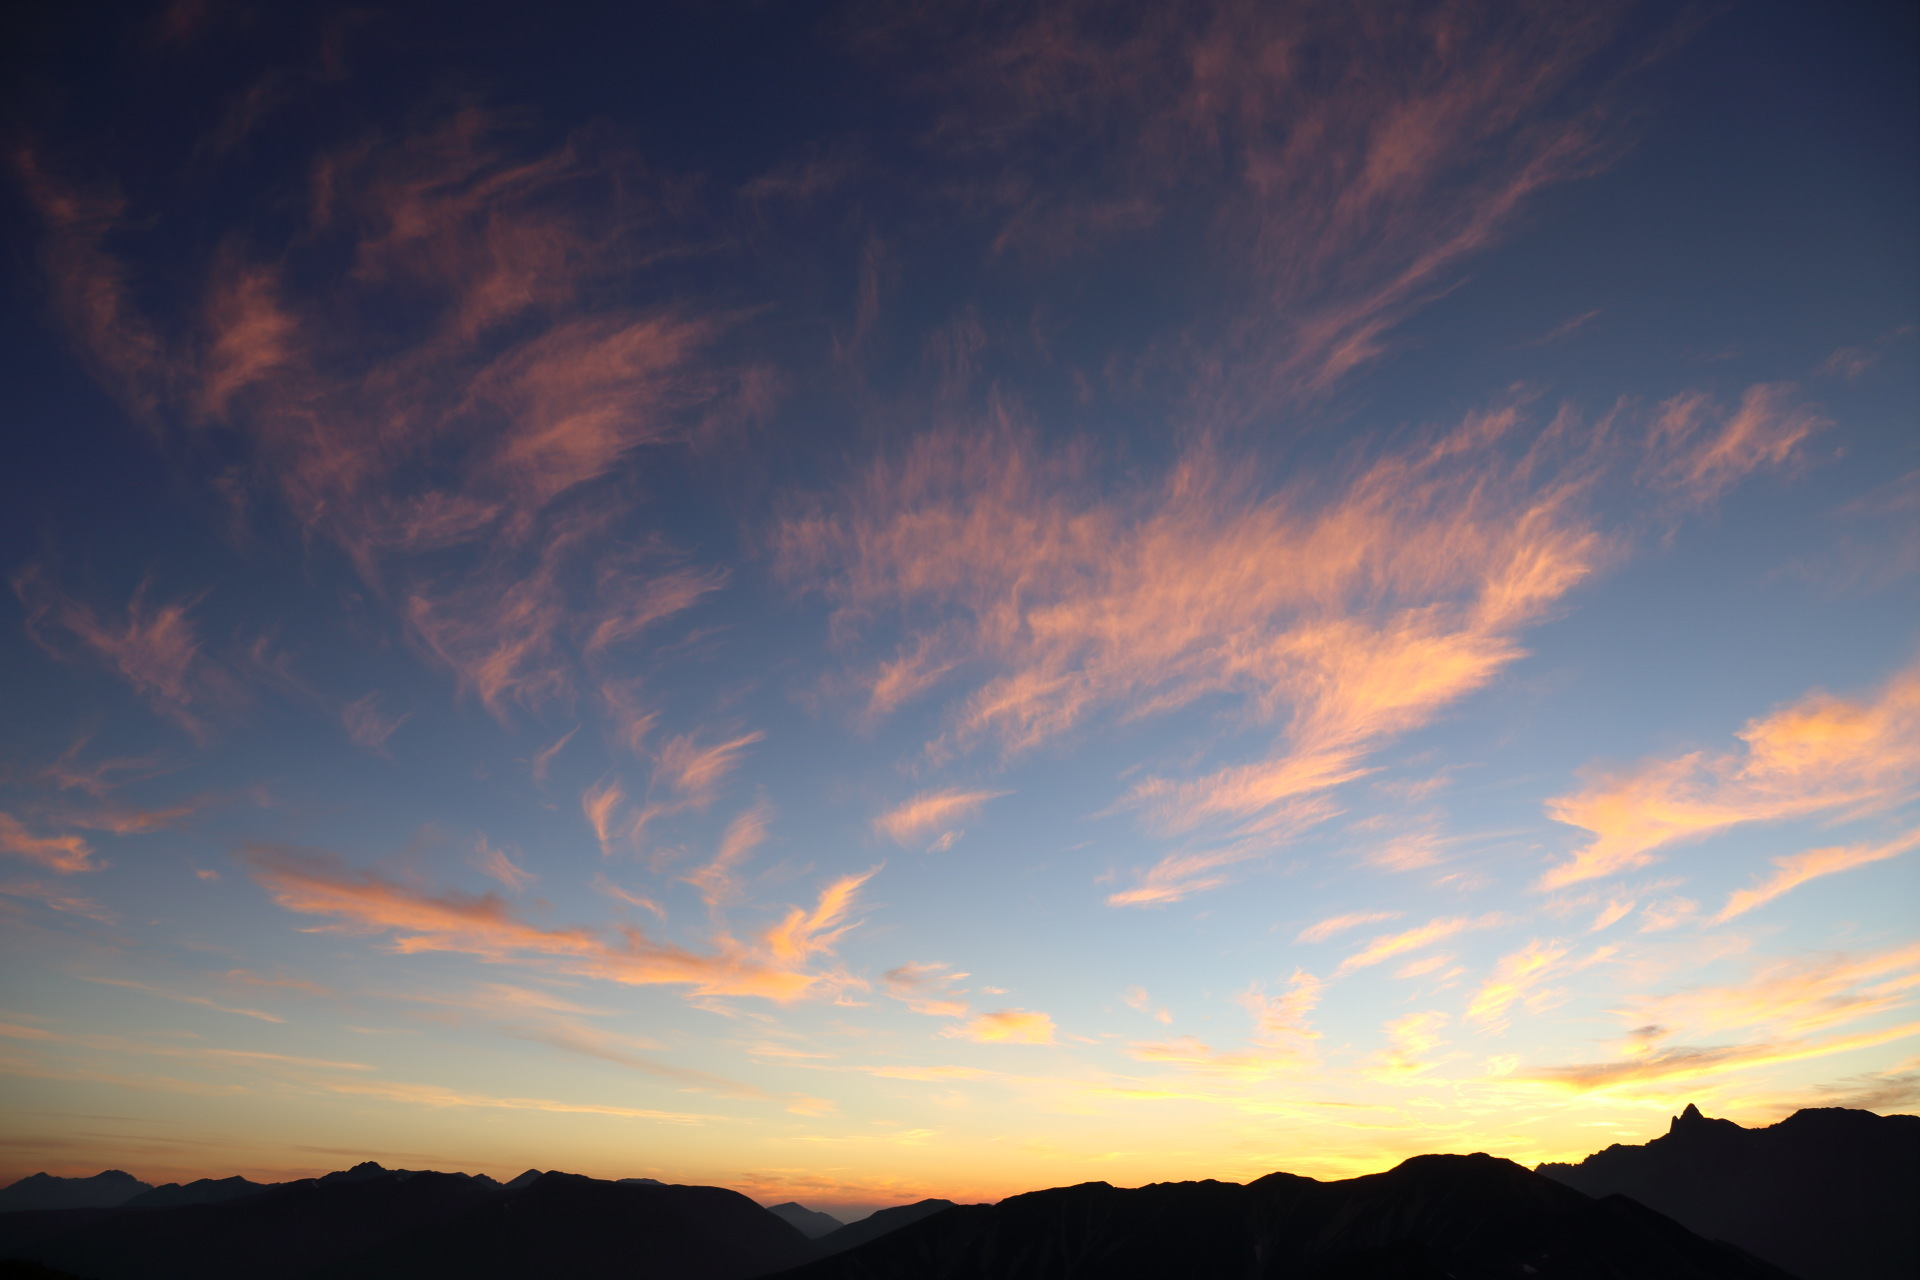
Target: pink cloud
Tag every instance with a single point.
(1821, 754)
(56, 853)
(775, 965)
(155, 648)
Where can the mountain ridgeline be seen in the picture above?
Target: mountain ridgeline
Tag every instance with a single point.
(1827, 1193)
(1822, 1195)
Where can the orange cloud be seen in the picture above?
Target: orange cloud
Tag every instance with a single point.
(1685, 1065)
(498, 865)
(156, 649)
(773, 966)
(203, 1001)
(1337, 924)
(437, 1096)
(1389, 945)
(543, 758)
(1704, 460)
(1516, 977)
(599, 803)
(1280, 1042)
(1409, 1042)
(716, 880)
(487, 433)
(365, 724)
(89, 286)
(56, 899)
(56, 853)
(1007, 1026)
(1822, 753)
(1797, 869)
(1791, 996)
(1332, 205)
(918, 818)
(695, 771)
(1342, 613)
(928, 989)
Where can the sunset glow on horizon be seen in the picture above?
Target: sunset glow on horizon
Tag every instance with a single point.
(861, 602)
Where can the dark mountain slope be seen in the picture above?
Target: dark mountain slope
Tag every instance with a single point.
(44, 1191)
(290, 1231)
(810, 1223)
(14, 1269)
(200, 1191)
(875, 1225)
(1828, 1193)
(582, 1229)
(1465, 1217)
(25, 1228)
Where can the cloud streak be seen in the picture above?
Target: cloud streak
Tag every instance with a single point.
(915, 820)
(1796, 869)
(56, 853)
(776, 966)
(1821, 754)
(1388, 945)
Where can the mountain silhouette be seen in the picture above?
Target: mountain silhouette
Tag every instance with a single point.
(368, 1222)
(44, 1191)
(1828, 1193)
(200, 1191)
(566, 1225)
(290, 1230)
(1824, 1194)
(810, 1223)
(1431, 1217)
(875, 1225)
(15, 1269)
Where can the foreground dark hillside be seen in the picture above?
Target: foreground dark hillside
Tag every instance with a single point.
(1433, 1216)
(1824, 1195)
(422, 1226)
(1827, 1193)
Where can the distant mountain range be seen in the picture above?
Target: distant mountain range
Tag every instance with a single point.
(1821, 1196)
(1827, 1193)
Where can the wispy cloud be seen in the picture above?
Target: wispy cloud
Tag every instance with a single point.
(1339, 924)
(56, 853)
(1347, 199)
(1796, 869)
(928, 989)
(367, 725)
(1411, 1041)
(1789, 996)
(500, 867)
(155, 648)
(1006, 1026)
(718, 881)
(1517, 978)
(775, 965)
(56, 897)
(1137, 998)
(1687, 1065)
(1389, 945)
(438, 1096)
(460, 469)
(1820, 754)
(1342, 613)
(694, 770)
(1281, 1040)
(183, 998)
(1700, 451)
(919, 818)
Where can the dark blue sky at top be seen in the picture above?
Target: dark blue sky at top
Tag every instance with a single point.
(1758, 212)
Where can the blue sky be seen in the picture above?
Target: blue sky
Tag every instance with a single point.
(871, 601)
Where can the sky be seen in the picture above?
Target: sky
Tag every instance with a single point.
(884, 600)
